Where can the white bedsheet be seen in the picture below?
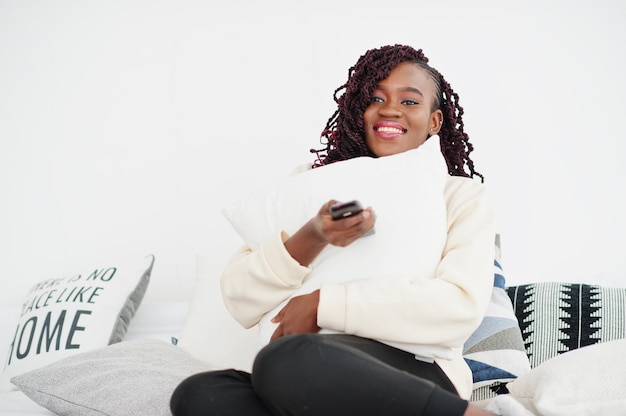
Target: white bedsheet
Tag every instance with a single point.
(15, 402)
(152, 321)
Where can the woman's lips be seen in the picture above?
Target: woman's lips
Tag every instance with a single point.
(388, 130)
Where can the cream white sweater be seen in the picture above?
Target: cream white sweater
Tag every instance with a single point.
(447, 308)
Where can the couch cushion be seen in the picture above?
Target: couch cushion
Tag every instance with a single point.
(76, 313)
(584, 381)
(128, 378)
(495, 351)
(559, 317)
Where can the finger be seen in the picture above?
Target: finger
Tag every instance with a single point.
(325, 209)
(277, 333)
(330, 203)
(360, 225)
(279, 316)
(355, 220)
(349, 236)
(369, 219)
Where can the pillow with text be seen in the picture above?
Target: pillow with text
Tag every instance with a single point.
(76, 313)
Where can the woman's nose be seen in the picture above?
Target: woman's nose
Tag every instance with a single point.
(390, 109)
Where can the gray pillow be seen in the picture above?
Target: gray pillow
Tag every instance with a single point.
(129, 378)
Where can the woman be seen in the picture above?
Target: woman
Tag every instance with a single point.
(392, 102)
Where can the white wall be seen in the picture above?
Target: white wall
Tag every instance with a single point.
(126, 125)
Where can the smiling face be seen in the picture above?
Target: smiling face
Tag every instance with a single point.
(400, 115)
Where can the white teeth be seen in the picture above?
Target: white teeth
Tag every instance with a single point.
(390, 130)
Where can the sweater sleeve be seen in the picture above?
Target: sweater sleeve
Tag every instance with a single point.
(443, 310)
(255, 282)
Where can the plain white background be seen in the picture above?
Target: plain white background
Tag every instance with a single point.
(125, 126)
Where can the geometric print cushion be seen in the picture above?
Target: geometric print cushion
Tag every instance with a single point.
(495, 351)
(559, 317)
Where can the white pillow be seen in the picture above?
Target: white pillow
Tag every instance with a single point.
(129, 378)
(585, 381)
(76, 313)
(210, 333)
(405, 190)
(394, 184)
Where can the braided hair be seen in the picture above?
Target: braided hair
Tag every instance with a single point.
(344, 134)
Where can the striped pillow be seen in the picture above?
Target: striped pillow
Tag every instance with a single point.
(495, 351)
(560, 317)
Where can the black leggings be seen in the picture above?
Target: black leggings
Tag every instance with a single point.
(313, 374)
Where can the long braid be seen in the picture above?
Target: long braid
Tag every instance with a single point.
(344, 135)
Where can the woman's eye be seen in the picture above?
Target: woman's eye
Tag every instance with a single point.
(377, 99)
(409, 102)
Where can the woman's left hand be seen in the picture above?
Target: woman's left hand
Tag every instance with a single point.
(298, 316)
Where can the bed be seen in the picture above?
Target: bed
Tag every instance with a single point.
(562, 327)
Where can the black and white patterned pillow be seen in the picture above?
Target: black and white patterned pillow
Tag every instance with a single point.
(559, 317)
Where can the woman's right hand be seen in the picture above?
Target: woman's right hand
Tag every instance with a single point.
(321, 230)
(345, 231)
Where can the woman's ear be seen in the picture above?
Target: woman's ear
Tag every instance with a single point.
(436, 121)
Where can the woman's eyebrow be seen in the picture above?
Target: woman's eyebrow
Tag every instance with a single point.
(402, 89)
(411, 89)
